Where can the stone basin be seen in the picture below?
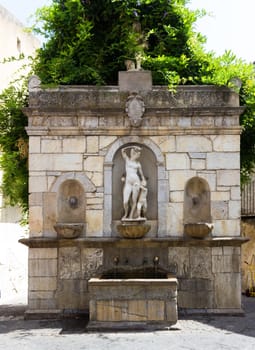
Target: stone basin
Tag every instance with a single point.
(133, 229)
(129, 300)
(138, 273)
(198, 230)
(69, 230)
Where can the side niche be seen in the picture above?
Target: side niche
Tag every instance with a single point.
(70, 209)
(197, 208)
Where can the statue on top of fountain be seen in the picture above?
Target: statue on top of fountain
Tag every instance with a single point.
(134, 190)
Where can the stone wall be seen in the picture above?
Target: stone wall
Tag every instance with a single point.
(75, 133)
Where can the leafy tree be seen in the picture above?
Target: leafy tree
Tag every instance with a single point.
(89, 41)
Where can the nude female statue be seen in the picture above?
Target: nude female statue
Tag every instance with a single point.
(134, 190)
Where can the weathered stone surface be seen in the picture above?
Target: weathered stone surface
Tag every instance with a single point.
(93, 163)
(177, 161)
(200, 262)
(135, 81)
(42, 283)
(41, 295)
(176, 196)
(220, 196)
(35, 199)
(69, 263)
(51, 145)
(226, 227)
(42, 304)
(234, 209)
(235, 193)
(36, 221)
(50, 213)
(225, 263)
(106, 141)
(68, 294)
(94, 219)
(221, 160)
(193, 143)
(198, 164)
(42, 268)
(91, 261)
(166, 143)
(228, 178)
(178, 261)
(219, 210)
(75, 144)
(226, 143)
(61, 162)
(210, 177)
(92, 144)
(178, 179)
(34, 144)
(174, 219)
(46, 253)
(196, 300)
(227, 290)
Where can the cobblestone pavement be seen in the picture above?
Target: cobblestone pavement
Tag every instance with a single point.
(200, 332)
(195, 333)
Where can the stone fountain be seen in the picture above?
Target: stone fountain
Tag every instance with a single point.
(126, 181)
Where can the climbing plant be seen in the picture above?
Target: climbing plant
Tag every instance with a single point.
(14, 145)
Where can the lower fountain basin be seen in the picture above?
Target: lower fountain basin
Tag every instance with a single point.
(69, 230)
(129, 300)
(198, 230)
(140, 273)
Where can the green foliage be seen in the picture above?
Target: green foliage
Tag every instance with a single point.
(89, 41)
(14, 146)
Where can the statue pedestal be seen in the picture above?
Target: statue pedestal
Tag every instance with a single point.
(135, 81)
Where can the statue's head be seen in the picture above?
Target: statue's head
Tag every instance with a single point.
(135, 152)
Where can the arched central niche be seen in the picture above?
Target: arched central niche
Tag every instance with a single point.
(152, 161)
(149, 167)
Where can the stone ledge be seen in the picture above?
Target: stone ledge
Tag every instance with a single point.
(142, 242)
(127, 130)
(43, 314)
(185, 313)
(130, 326)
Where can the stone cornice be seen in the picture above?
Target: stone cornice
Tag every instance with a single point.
(144, 242)
(116, 111)
(119, 131)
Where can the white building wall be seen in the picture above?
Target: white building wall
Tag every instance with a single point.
(14, 40)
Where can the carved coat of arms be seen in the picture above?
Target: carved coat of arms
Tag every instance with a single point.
(135, 108)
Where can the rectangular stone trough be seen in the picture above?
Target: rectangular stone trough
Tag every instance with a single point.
(132, 303)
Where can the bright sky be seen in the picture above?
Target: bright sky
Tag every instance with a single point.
(230, 26)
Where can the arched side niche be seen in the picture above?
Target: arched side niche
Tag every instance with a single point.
(158, 183)
(197, 201)
(70, 192)
(71, 202)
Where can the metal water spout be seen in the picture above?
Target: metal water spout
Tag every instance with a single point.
(116, 260)
(156, 260)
